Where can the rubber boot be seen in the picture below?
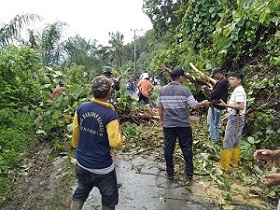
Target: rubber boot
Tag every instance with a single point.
(108, 207)
(235, 156)
(76, 205)
(226, 155)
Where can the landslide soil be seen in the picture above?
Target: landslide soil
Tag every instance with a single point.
(43, 182)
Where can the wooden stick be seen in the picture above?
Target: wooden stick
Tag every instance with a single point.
(203, 76)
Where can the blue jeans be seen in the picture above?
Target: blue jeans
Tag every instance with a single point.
(106, 183)
(214, 123)
(184, 135)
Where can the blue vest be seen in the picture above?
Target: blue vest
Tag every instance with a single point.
(93, 149)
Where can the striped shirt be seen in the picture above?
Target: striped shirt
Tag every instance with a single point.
(176, 100)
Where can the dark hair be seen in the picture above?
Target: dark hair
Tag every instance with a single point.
(99, 93)
(236, 74)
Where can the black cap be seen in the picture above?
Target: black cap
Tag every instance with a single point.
(216, 70)
(177, 71)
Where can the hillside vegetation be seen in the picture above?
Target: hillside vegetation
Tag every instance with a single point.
(236, 35)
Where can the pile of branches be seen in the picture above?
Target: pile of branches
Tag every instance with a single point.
(139, 116)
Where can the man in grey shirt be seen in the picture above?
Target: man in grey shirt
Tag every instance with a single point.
(174, 102)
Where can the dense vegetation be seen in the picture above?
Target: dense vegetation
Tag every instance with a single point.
(236, 35)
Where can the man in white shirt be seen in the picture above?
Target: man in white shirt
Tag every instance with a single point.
(236, 121)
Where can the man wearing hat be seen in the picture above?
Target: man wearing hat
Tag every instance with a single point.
(215, 111)
(173, 105)
(107, 72)
(95, 131)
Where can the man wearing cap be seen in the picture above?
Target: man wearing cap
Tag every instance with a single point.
(215, 111)
(174, 102)
(58, 89)
(95, 131)
(107, 72)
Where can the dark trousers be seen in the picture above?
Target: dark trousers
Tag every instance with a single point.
(184, 135)
(143, 98)
(106, 183)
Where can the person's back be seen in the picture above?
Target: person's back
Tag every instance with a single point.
(174, 101)
(95, 131)
(93, 150)
(173, 98)
(145, 87)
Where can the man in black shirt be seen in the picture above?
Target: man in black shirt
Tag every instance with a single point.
(220, 91)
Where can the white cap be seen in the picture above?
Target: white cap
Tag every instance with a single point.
(144, 76)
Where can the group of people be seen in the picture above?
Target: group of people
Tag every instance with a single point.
(235, 117)
(96, 130)
(144, 87)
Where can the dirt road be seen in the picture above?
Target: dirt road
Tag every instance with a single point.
(48, 184)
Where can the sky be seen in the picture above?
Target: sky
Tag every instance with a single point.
(91, 19)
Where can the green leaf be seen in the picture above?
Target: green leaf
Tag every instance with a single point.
(69, 127)
(221, 201)
(263, 17)
(224, 43)
(270, 132)
(228, 207)
(58, 73)
(251, 140)
(76, 93)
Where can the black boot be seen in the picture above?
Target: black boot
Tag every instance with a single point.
(76, 205)
(108, 207)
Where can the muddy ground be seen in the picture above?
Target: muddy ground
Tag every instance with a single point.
(47, 182)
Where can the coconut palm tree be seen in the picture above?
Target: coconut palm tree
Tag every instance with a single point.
(117, 47)
(81, 52)
(10, 33)
(51, 46)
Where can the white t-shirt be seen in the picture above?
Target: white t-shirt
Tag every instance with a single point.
(238, 95)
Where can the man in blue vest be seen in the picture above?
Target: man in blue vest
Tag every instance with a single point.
(95, 131)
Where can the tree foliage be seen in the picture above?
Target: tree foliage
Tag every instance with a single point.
(50, 44)
(164, 14)
(17, 69)
(11, 31)
(237, 35)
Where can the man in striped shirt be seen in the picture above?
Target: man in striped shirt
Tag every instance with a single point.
(174, 102)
